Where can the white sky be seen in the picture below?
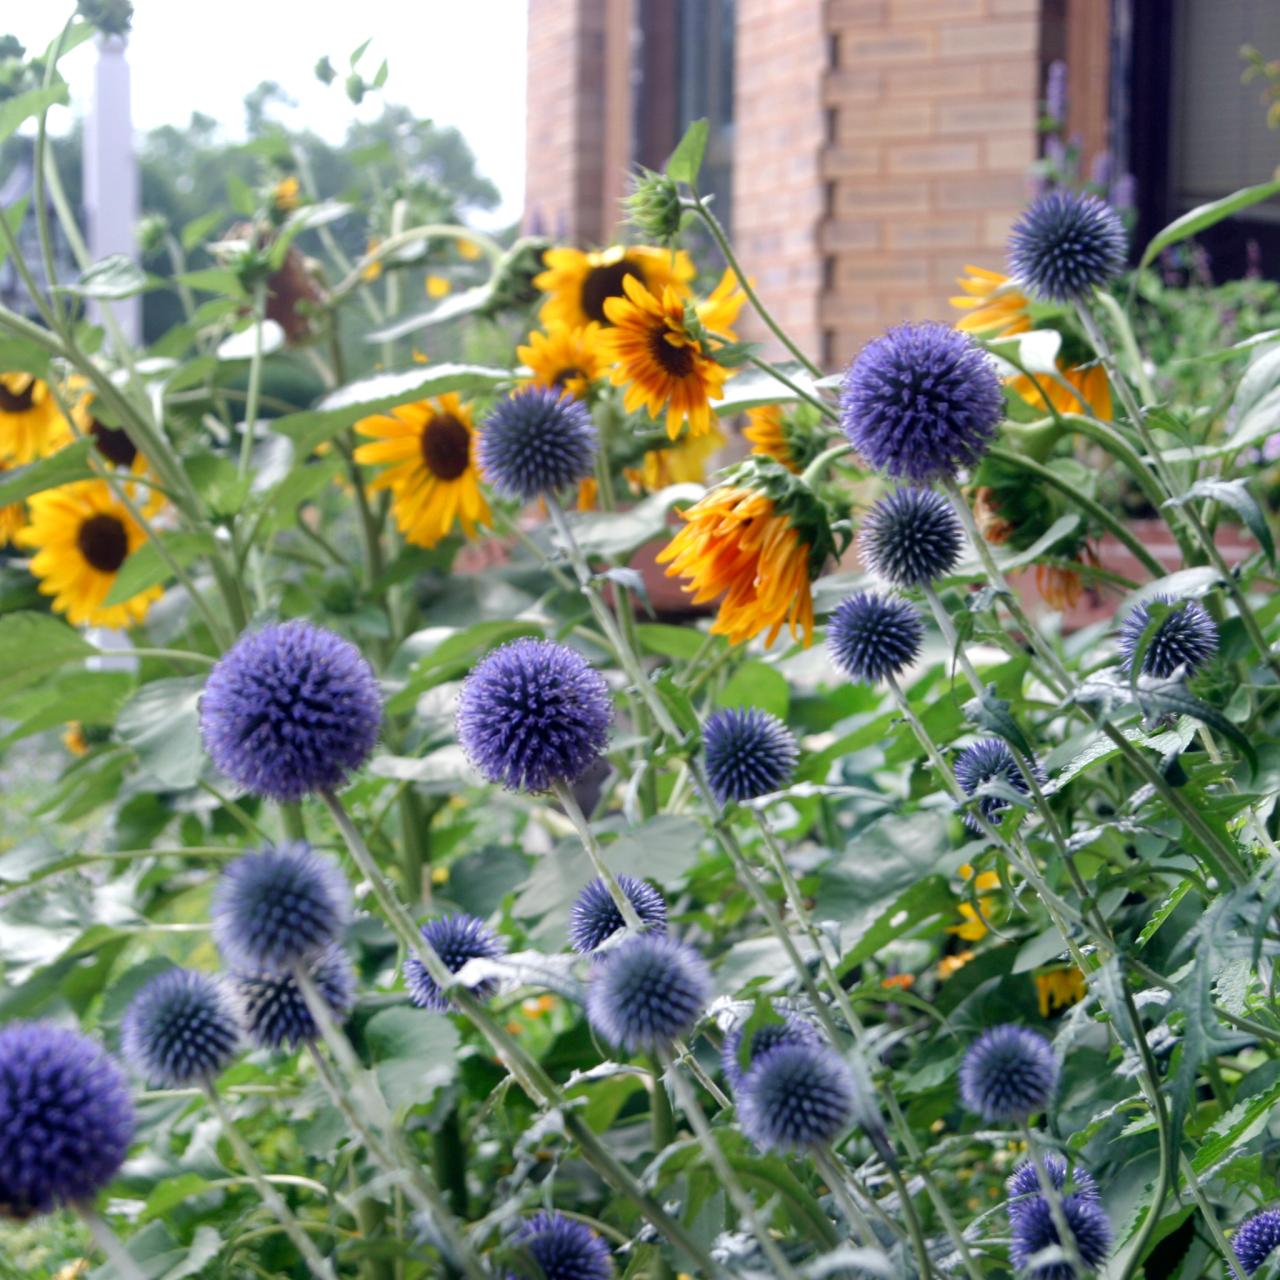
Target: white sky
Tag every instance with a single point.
(458, 62)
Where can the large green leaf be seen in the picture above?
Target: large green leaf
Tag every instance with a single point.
(412, 1055)
(113, 278)
(1204, 216)
(757, 684)
(21, 107)
(756, 387)
(686, 160)
(146, 567)
(57, 469)
(161, 723)
(450, 308)
(438, 654)
(34, 644)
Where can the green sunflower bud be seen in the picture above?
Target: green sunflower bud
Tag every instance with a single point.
(111, 17)
(654, 207)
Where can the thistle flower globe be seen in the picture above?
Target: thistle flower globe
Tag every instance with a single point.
(647, 993)
(594, 916)
(1008, 1074)
(990, 760)
(871, 637)
(275, 1011)
(1185, 638)
(1066, 244)
(1025, 1182)
(796, 1096)
(749, 753)
(181, 1029)
(1034, 1230)
(911, 537)
(920, 402)
(455, 939)
(562, 1248)
(278, 907)
(66, 1119)
(1256, 1239)
(533, 713)
(290, 709)
(537, 441)
(764, 1039)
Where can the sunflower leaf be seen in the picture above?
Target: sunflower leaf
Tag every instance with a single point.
(686, 159)
(146, 567)
(59, 468)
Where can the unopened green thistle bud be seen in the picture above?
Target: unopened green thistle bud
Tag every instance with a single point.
(151, 232)
(111, 17)
(653, 207)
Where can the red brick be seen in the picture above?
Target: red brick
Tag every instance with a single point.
(985, 39)
(934, 232)
(941, 157)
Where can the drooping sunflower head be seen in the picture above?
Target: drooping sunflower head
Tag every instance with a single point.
(427, 449)
(757, 540)
(768, 430)
(81, 535)
(566, 359)
(578, 284)
(31, 424)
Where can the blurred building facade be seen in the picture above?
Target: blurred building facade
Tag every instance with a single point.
(863, 151)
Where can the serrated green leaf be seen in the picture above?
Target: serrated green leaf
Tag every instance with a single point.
(162, 726)
(32, 645)
(413, 1055)
(450, 308)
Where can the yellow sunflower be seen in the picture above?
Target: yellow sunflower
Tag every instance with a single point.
(975, 927)
(661, 364)
(286, 195)
(571, 359)
(31, 424)
(12, 518)
(684, 462)
(81, 534)
(1089, 390)
(768, 435)
(1060, 989)
(997, 307)
(432, 473)
(578, 284)
(736, 544)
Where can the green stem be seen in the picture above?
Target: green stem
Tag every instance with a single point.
(255, 381)
(1211, 1218)
(1053, 1197)
(110, 1244)
(815, 469)
(857, 1220)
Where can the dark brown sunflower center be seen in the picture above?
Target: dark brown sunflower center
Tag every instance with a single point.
(677, 362)
(446, 446)
(565, 376)
(603, 283)
(103, 542)
(17, 401)
(113, 444)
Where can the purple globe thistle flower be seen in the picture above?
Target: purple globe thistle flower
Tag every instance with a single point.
(990, 760)
(278, 907)
(647, 992)
(871, 636)
(921, 401)
(275, 1011)
(766, 1038)
(1034, 1230)
(533, 713)
(1025, 1182)
(1186, 637)
(1055, 92)
(1008, 1074)
(911, 536)
(796, 1096)
(1066, 244)
(562, 1249)
(181, 1028)
(1256, 1239)
(537, 441)
(66, 1119)
(455, 939)
(749, 753)
(290, 709)
(595, 916)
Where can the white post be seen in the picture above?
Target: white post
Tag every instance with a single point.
(111, 174)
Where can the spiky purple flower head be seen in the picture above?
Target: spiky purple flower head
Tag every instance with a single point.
(1256, 1239)
(990, 760)
(562, 1248)
(275, 1011)
(66, 1119)
(595, 917)
(278, 907)
(1185, 637)
(871, 636)
(764, 1039)
(1008, 1074)
(749, 753)
(455, 939)
(1034, 1230)
(647, 992)
(921, 401)
(181, 1028)
(1025, 1182)
(537, 441)
(911, 536)
(533, 713)
(290, 709)
(796, 1096)
(1064, 244)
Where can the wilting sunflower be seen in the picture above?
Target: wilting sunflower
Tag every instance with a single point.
(31, 424)
(663, 365)
(757, 540)
(81, 534)
(432, 473)
(571, 359)
(1088, 390)
(768, 435)
(578, 284)
(684, 462)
